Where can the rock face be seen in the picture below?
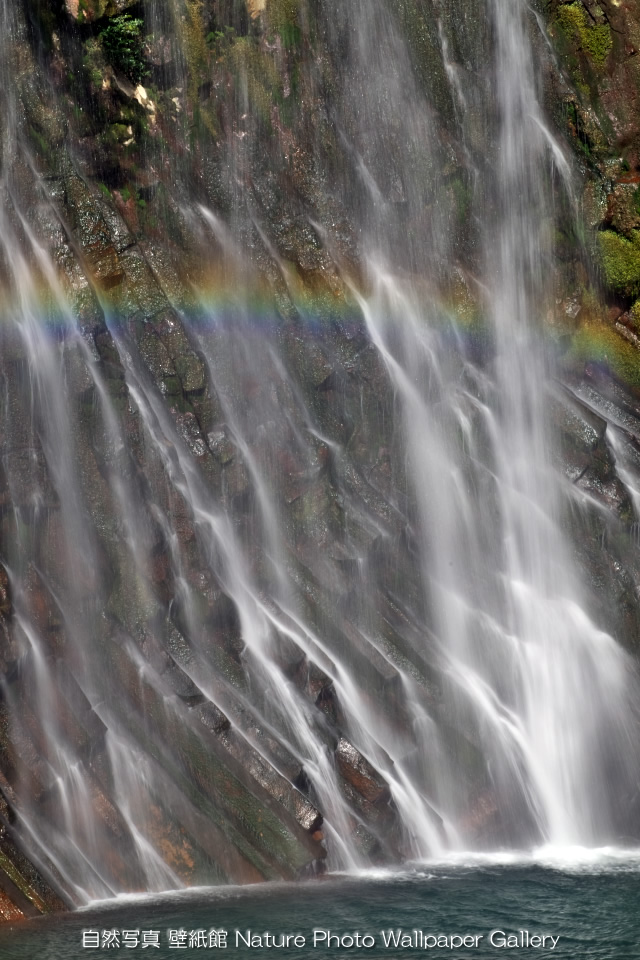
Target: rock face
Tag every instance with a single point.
(594, 99)
(86, 11)
(206, 522)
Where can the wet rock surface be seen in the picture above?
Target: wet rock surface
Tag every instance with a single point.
(201, 416)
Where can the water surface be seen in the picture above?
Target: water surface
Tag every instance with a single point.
(586, 909)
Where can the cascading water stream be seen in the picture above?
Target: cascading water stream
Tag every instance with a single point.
(526, 665)
(573, 675)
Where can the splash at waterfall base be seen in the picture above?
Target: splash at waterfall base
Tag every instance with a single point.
(485, 904)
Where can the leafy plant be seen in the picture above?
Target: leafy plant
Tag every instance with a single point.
(122, 44)
(218, 41)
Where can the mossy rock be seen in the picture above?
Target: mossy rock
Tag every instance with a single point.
(420, 28)
(86, 11)
(594, 40)
(624, 209)
(603, 345)
(282, 16)
(248, 63)
(118, 133)
(621, 262)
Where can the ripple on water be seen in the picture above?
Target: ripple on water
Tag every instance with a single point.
(587, 899)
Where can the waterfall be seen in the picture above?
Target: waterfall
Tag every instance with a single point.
(526, 668)
(271, 557)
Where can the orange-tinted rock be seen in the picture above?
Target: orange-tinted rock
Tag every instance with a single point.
(359, 773)
(8, 911)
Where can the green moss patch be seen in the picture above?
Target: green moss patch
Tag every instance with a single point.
(594, 40)
(621, 262)
(282, 16)
(281, 12)
(597, 343)
(246, 60)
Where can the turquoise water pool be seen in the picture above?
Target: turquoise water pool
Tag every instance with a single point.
(492, 908)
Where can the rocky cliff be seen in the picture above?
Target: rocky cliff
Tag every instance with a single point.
(158, 158)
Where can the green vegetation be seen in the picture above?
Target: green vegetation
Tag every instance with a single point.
(116, 134)
(621, 262)
(463, 197)
(594, 40)
(282, 16)
(195, 44)
(94, 63)
(600, 344)
(579, 132)
(247, 61)
(42, 142)
(219, 40)
(122, 44)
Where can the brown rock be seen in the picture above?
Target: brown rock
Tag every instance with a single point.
(8, 911)
(86, 11)
(357, 771)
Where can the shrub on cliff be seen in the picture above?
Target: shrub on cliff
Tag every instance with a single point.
(122, 44)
